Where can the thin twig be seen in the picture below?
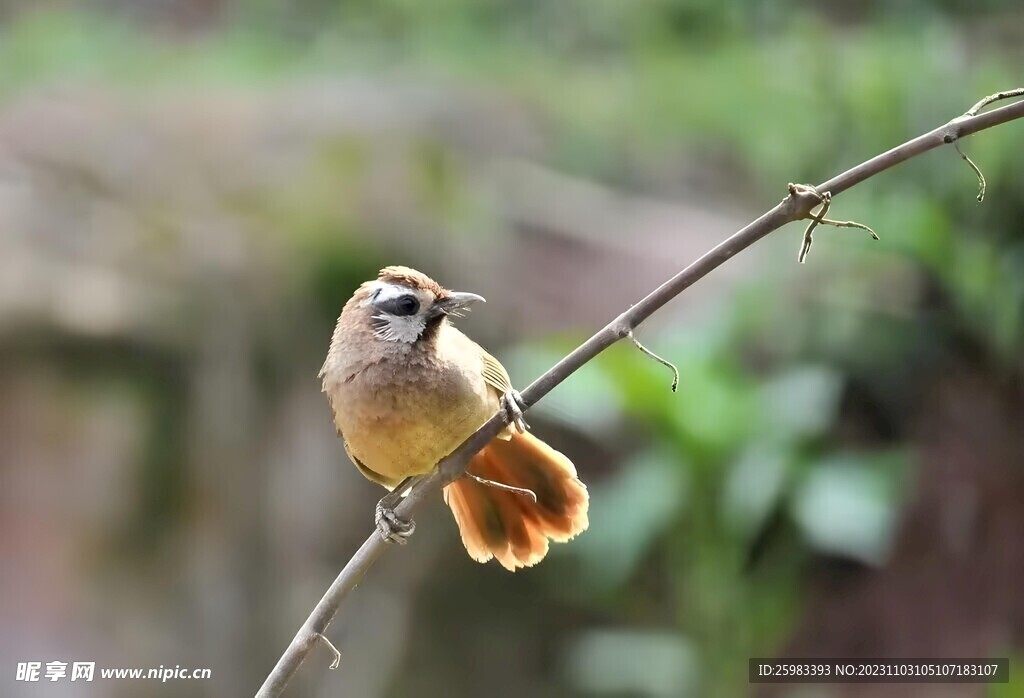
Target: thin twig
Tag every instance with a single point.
(977, 170)
(849, 224)
(663, 362)
(501, 486)
(973, 111)
(330, 646)
(796, 206)
(805, 247)
(819, 218)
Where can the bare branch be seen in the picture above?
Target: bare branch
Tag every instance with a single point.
(796, 206)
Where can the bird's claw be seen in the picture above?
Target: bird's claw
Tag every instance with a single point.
(390, 527)
(512, 405)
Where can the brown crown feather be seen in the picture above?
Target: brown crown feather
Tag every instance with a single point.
(410, 278)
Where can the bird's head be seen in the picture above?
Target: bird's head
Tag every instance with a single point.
(402, 304)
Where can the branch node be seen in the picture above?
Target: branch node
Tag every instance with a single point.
(502, 486)
(332, 648)
(663, 362)
(621, 327)
(801, 200)
(819, 218)
(977, 170)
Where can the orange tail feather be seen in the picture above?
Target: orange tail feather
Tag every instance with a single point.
(511, 527)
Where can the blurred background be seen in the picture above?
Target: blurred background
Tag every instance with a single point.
(191, 189)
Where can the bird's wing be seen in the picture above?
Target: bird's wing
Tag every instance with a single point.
(497, 377)
(495, 374)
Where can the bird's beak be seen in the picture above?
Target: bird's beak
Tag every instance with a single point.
(457, 300)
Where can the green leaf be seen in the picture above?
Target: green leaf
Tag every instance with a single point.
(627, 513)
(801, 403)
(588, 401)
(617, 662)
(847, 505)
(753, 487)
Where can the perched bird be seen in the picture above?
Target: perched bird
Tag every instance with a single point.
(406, 388)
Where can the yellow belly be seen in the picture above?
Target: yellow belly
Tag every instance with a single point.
(406, 430)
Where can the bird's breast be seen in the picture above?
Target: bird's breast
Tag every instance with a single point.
(400, 419)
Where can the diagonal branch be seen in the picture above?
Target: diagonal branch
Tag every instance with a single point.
(796, 206)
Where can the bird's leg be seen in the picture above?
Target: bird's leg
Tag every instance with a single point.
(390, 527)
(512, 405)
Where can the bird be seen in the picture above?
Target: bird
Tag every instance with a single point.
(406, 387)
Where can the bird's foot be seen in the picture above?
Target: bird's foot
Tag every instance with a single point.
(513, 406)
(390, 527)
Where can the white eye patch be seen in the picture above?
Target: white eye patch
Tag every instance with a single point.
(398, 315)
(382, 291)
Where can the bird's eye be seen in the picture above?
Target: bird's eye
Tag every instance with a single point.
(407, 305)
